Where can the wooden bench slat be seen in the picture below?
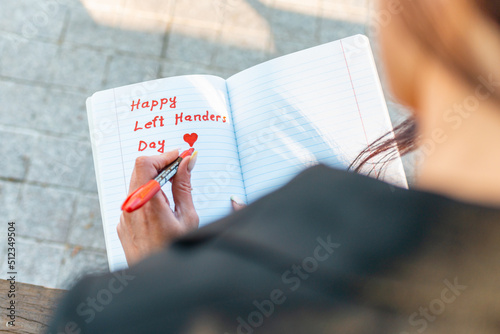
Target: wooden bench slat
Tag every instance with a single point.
(34, 307)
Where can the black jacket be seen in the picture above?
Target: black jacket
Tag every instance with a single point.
(327, 243)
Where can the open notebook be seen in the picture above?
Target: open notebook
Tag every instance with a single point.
(254, 131)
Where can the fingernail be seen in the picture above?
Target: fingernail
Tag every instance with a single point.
(192, 160)
(237, 200)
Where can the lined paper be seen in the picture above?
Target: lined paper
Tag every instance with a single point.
(320, 105)
(115, 146)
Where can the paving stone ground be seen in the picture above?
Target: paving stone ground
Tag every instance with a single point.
(55, 53)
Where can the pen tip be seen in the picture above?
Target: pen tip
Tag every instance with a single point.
(187, 153)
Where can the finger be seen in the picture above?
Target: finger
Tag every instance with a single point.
(163, 160)
(237, 203)
(160, 201)
(181, 191)
(147, 168)
(164, 196)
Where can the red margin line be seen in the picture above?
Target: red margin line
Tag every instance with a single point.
(354, 91)
(120, 141)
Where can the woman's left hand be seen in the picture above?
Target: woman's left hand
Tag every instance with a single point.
(154, 225)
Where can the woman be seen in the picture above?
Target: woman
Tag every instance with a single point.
(332, 250)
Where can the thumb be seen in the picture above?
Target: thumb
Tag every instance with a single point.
(181, 192)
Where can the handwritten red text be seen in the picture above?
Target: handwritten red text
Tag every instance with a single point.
(157, 121)
(152, 104)
(160, 147)
(179, 118)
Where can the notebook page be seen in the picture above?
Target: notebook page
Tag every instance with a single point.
(123, 129)
(320, 105)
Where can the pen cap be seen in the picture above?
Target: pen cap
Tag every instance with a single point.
(141, 196)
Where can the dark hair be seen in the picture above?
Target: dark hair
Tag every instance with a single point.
(420, 22)
(387, 148)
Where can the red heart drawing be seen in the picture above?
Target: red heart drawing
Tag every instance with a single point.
(190, 138)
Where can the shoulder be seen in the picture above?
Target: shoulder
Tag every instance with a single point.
(323, 201)
(324, 223)
(364, 218)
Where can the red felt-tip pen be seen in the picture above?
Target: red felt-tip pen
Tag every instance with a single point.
(143, 194)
